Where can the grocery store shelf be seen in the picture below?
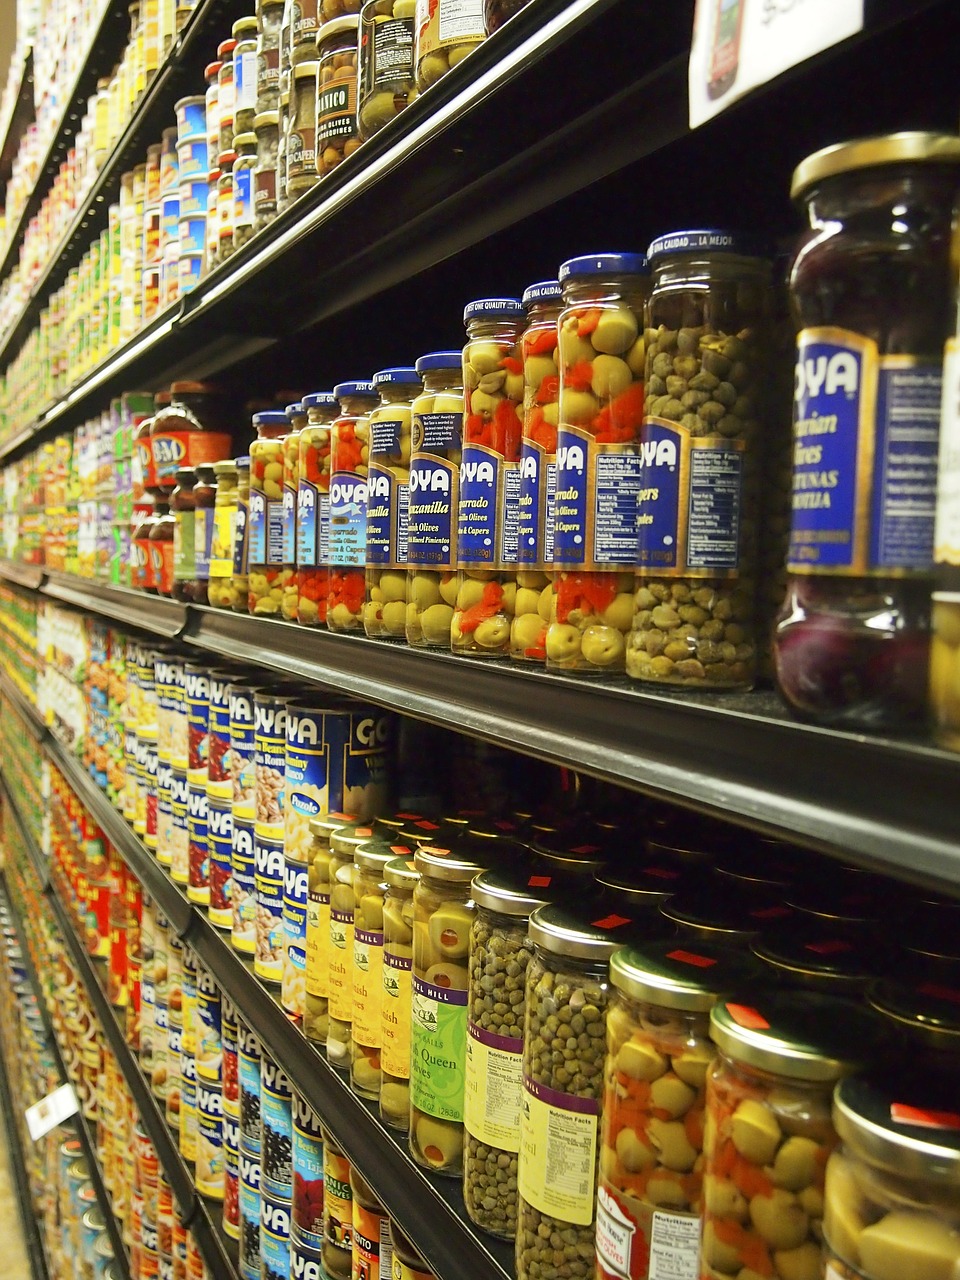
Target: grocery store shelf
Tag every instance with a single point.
(28, 1219)
(38, 860)
(159, 616)
(22, 575)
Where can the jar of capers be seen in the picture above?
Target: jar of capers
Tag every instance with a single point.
(318, 924)
(344, 842)
(401, 876)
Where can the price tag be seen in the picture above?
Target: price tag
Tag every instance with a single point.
(51, 1111)
(740, 44)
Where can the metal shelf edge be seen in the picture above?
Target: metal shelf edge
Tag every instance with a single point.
(31, 1227)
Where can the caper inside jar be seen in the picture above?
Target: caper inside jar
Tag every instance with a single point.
(401, 876)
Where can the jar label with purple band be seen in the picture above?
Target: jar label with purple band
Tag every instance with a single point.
(438, 1050)
(595, 504)
(866, 437)
(243, 875)
(493, 1088)
(558, 1152)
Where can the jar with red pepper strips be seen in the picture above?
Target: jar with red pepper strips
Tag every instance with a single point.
(349, 460)
(489, 478)
(239, 582)
(707, 378)
(269, 575)
(388, 490)
(602, 358)
(313, 508)
(297, 418)
(434, 488)
(538, 461)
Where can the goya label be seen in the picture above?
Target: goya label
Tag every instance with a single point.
(538, 483)
(274, 1238)
(434, 491)
(313, 499)
(198, 883)
(276, 1113)
(866, 432)
(265, 531)
(487, 523)
(690, 501)
(229, 1034)
(243, 767)
(438, 1050)
(209, 1051)
(348, 518)
(289, 520)
(197, 681)
(180, 847)
(219, 778)
(307, 1174)
(558, 1152)
(595, 502)
(304, 1259)
(270, 742)
(293, 987)
(269, 868)
(243, 875)
(220, 851)
(493, 1088)
(248, 1070)
(210, 1162)
(249, 1218)
(241, 539)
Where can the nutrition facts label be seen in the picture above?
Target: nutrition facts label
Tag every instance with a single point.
(674, 1247)
(617, 486)
(713, 514)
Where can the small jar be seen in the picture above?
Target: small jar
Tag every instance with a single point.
(337, 132)
(220, 588)
(226, 96)
(497, 12)
(443, 913)
(313, 508)
(407, 1262)
(707, 372)
(204, 497)
(851, 643)
(211, 74)
(924, 1022)
(658, 1053)
(437, 52)
(601, 349)
(387, 75)
(336, 1252)
(244, 32)
(225, 206)
(317, 976)
(302, 130)
(269, 576)
(211, 252)
(538, 452)
(343, 846)
(488, 507)
(434, 476)
(372, 1253)
(296, 417)
(283, 135)
(270, 19)
(768, 1130)
(267, 129)
(388, 492)
(244, 181)
(161, 548)
(349, 462)
(303, 33)
(183, 506)
(892, 1194)
(500, 952)
(562, 1084)
(401, 877)
(704, 911)
(833, 963)
(239, 579)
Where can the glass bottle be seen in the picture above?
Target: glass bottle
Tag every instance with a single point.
(313, 508)
(342, 872)
(316, 1011)
(239, 579)
(401, 876)
(387, 75)
(349, 461)
(270, 16)
(161, 548)
(269, 576)
(267, 129)
(297, 417)
(244, 215)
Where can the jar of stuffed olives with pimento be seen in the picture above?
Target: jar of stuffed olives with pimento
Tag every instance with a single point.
(297, 417)
(313, 508)
(317, 975)
(602, 358)
(269, 575)
(401, 877)
(566, 996)
(707, 376)
(239, 580)
(349, 464)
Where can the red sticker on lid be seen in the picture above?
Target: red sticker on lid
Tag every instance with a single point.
(364, 831)
(503, 825)
(539, 882)
(585, 848)
(940, 993)
(611, 922)
(663, 873)
(411, 864)
(901, 1113)
(746, 1016)
(691, 957)
(408, 817)
(770, 913)
(829, 948)
(399, 849)
(426, 825)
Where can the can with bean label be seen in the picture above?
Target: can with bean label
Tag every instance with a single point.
(243, 770)
(276, 1102)
(220, 862)
(180, 848)
(219, 778)
(229, 1034)
(231, 1175)
(307, 1162)
(209, 1039)
(198, 864)
(293, 988)
(210, 1159)
(270, 744)
(249, 1216)
(248, 1061)
(269, 874)
(243, 933)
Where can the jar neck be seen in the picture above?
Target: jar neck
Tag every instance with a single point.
(271, 433)
(543, 313)
(687, 269)
(498, 327)
(558, 962)
(605, 288)
(399, 393)
(908, 190)
(451, 380)
(356, 406)
(321, 417)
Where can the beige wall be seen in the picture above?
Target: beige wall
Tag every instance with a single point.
(8, 34)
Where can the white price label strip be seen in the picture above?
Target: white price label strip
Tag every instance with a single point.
(740, 44)
(51, 1111)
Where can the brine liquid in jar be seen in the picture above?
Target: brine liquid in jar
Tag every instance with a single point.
(388, 502)
(313, 508)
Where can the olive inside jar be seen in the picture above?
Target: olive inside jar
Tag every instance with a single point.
(387, 80)
(317, 978)
(344, 842)
(204, 500)
(401, 877)
(239, 580)
(707, 366)
(871, 289)
(337, 134)
(313, 508)
(220, 588)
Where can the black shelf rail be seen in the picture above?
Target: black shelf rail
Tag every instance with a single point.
(881, 802)
(18, 1166)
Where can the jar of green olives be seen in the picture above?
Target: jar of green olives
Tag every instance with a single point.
(401, 876)
(349, 464)
(443, 912)
(500, 952)
(317, 977)
(239, 580)
(446, 32)
(268, 574)
(387, 79)
(344, 842)
(388, 489)
(220, 589)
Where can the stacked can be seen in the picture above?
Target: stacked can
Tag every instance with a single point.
(193, 165)
(219, 803)
(198, 715)
(145, 1183)
(270, 741)
(188, 1057)
(171, 709)
(306, 1222)
(251, 1141)
(131, 711)
(133, 913)
(174, 1030)
(179, 849)
(243, 815)
(230, 1033)
(118, 989)
(169, 218)
(276, 1169)
(152, 254)
(159, 1076)
(209, 1051)
(147, 992)
(165, 1222)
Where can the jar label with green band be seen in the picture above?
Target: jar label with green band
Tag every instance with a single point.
(341, 965)
(395, 1015)
(184, 547)
(494, 1088)
(367, 986)
(438, 1050)
(558, 1152)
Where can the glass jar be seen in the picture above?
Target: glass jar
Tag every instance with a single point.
(270, 18)
(497, 12)
(141, 575)
(211, 74)
(269, 575)
(372, 1252)
(818, 960)
(161, 549)
(401, 876)
(500, 952)
(443, 913)
(244, 32)
(144, 465)
(436, 51)
(244, 179)
(658, 1053)
(871, 289)
(239, 581)
(318, 923)
(924, 1020)
(192, 429)
(267, 129)
(707, 377)
(337, 133)
(220, 589)
(407, 1263)
(768, 1129)
(891, 1203)
(204, 498)
(434, 482)
(562, 1085)
(369, 891)
(283, 136)
(336, 1250)
(302, 130)
(296, 417)
(303, 33)
(538, 453)
(344, 842)
(705, 910)
(313, 508)
(487, 511)
(349, 459)
(211, 255)
(226, 96)
(388, 492)
(602, 350)
(226, 202)
(387, 78)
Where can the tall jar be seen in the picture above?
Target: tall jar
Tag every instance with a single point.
(500, 953)
(204, 499)
(161, 548)
(183, 506)
(872, 290)
(313, 508)
(489, 478)
(296, 417)
(344, 842)
(538, 456)
(434, 488)
(387, 78)
(239, 580)
(303, 33)
(497, 12)
(372, 1250)
(651, 1137)
(337, 1247)
(302, 130)
(438, 51)
(768, 1129)
(226, 206)
(226, 96)
(707, 376)
(244, 213)
(283, 135)
(220, 588)
(602, 356)
(562, 1087)
(266, 126)
(401, 876)
(892, 1195)
(318, 924)
(337, 132)
(211, 74)
(244, 32)
(407, 1262)
(270, 18)
(269, 575)
(443, 912)
(349, 460)
(388, 494)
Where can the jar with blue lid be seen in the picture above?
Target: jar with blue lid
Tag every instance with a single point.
(701, 452)
(602, 358)
(349, 463)
(269, 574)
